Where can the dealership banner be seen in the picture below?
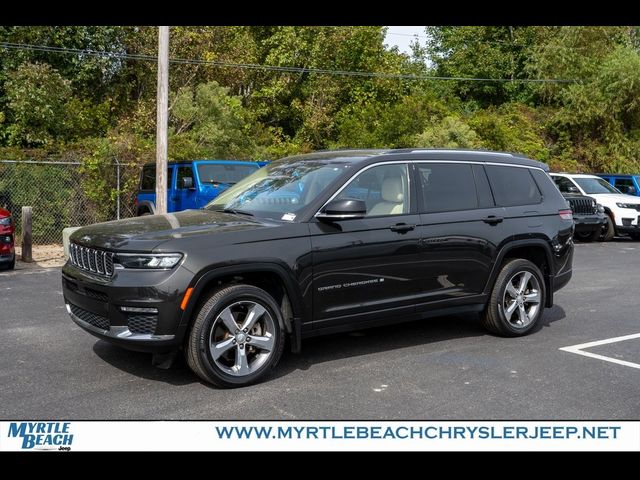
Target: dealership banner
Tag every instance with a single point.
(64, 436)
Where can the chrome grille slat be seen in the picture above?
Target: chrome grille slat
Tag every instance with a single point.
(91, 259)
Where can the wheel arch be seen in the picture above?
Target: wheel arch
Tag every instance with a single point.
(145, 205)
(272, 277)
(535, 250)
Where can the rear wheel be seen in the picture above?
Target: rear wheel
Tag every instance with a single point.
(609, 230)
(237, 337)
(517, 299)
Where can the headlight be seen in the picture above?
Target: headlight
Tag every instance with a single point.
(162, 261)
(600, 208)
(5, 221)
(5, 238)
(627, 205)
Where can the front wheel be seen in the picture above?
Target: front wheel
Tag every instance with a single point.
(237, 337)
(517, 299)
(588, 236)
(609, 230)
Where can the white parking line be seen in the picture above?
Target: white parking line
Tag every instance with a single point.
(578, 349)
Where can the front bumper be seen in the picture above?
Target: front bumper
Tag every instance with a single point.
(7, 258)
(94, 303)
(589, 223)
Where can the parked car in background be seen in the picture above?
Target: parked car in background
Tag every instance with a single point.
(7, 232)
(628, 184)
(588, 217)
(623, 211)
(191, 184)
(322, 243)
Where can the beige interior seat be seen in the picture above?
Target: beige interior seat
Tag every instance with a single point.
(392, 198)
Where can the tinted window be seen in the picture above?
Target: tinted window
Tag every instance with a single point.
(447, 187)
(229, 174)
(185, 172)
(485, 197)
(624, 182)
(513, 186)
(385, 190)
(565, 185)
(148, 180)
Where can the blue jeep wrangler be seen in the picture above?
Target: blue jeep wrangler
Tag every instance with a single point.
(191, 184)
(629, 184)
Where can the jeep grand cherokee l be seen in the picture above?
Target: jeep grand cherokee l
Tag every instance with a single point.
(322, 243)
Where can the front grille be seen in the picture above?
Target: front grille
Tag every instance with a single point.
(143, 323)
(89, 317)
(91, 259)
(583, 206)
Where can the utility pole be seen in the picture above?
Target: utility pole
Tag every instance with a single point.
(162, 120)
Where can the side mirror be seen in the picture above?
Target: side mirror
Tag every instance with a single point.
(343, 209)
(187, 182)
(572, 189)
(632, 191)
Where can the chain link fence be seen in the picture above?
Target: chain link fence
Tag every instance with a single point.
(63, 194)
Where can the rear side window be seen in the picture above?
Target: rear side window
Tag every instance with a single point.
(513, 186)
(447, 187)
(148, 181)
(148, 178)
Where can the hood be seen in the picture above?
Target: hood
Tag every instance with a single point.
(607, 198)
(4, 213)
(147, 232)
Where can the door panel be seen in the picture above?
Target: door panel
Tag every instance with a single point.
(366, 268)
(362, 266)
(460, 231)
(457, 252)
(185, 192)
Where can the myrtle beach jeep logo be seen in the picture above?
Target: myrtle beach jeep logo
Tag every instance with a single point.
(42, 435)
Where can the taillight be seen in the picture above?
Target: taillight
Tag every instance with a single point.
(565, 214)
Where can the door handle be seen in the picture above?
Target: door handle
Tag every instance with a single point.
(492, 220)
(401, 228)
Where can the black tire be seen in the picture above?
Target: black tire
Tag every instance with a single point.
(9, 266)
(635, 236)
(609, 231)
(494, 318)
(208, 324)
(588, 236)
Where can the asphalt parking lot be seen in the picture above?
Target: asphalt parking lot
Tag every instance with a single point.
(445, 368)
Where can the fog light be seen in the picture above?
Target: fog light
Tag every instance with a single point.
(139, 309)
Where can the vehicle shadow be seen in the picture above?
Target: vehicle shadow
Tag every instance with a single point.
(322, 349)
(380, 339)
(139, 365)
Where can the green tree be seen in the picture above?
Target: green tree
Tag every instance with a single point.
(37, 100)
(208, 122)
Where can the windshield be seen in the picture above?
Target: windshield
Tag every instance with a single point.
(595, 185)
(280, 190)
(220, 173)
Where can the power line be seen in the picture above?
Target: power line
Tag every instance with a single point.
(273, 68)
(407, 35)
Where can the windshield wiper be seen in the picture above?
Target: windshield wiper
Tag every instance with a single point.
(237, 212)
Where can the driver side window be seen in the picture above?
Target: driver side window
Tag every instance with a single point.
(385, 190)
